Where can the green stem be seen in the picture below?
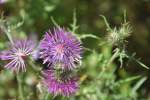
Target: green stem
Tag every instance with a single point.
(9, 37)
(7, 32)
(106, 22)
(115, 55)
(46, 96)
(35, 67)
(20, 88)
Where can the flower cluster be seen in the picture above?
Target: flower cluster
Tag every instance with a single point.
(62, 52)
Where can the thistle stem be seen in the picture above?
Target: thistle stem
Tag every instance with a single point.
(9, 37)
(47, 96)
(115, 55)
(35, 67)
(20, 88)
(7, 32)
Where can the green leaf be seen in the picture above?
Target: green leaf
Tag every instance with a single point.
(74, 25)
(49, 8)
(138, 84)
(127, 80)
(106, 22)
(141, 64)
(88, 35)
(54, 22)
(137, 61)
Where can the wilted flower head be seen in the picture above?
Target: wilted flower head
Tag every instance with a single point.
(117, 36)
(16, 54)
(58, 84)
(62, 47)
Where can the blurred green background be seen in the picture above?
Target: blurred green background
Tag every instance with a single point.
(37, 14)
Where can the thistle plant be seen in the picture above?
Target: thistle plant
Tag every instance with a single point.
(117, 37)
(60, 50)
(55, 67)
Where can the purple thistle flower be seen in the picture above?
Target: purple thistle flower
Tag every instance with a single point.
(61, 47)
(16, 54)
(3, 1)
(59, 86)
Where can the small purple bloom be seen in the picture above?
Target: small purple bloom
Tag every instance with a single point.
(61, 47)
(59, 86)
(3, 1)
(16, 54)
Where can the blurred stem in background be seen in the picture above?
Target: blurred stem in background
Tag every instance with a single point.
(6, 29)
(20, 88)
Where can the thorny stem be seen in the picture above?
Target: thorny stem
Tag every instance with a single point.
(125, 16)
(9, 36)
(7, 32)
(113, 57)
(54, 22)
(20, 89)
(137, 61)
(47, 96)
(74, 25)
(106, 22)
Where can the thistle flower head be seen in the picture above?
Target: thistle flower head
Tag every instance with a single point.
(59, 85)
(62, 47)
(17, 54)
(118, 36)
(113, 37)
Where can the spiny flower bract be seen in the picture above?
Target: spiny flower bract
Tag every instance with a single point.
(118, 36)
